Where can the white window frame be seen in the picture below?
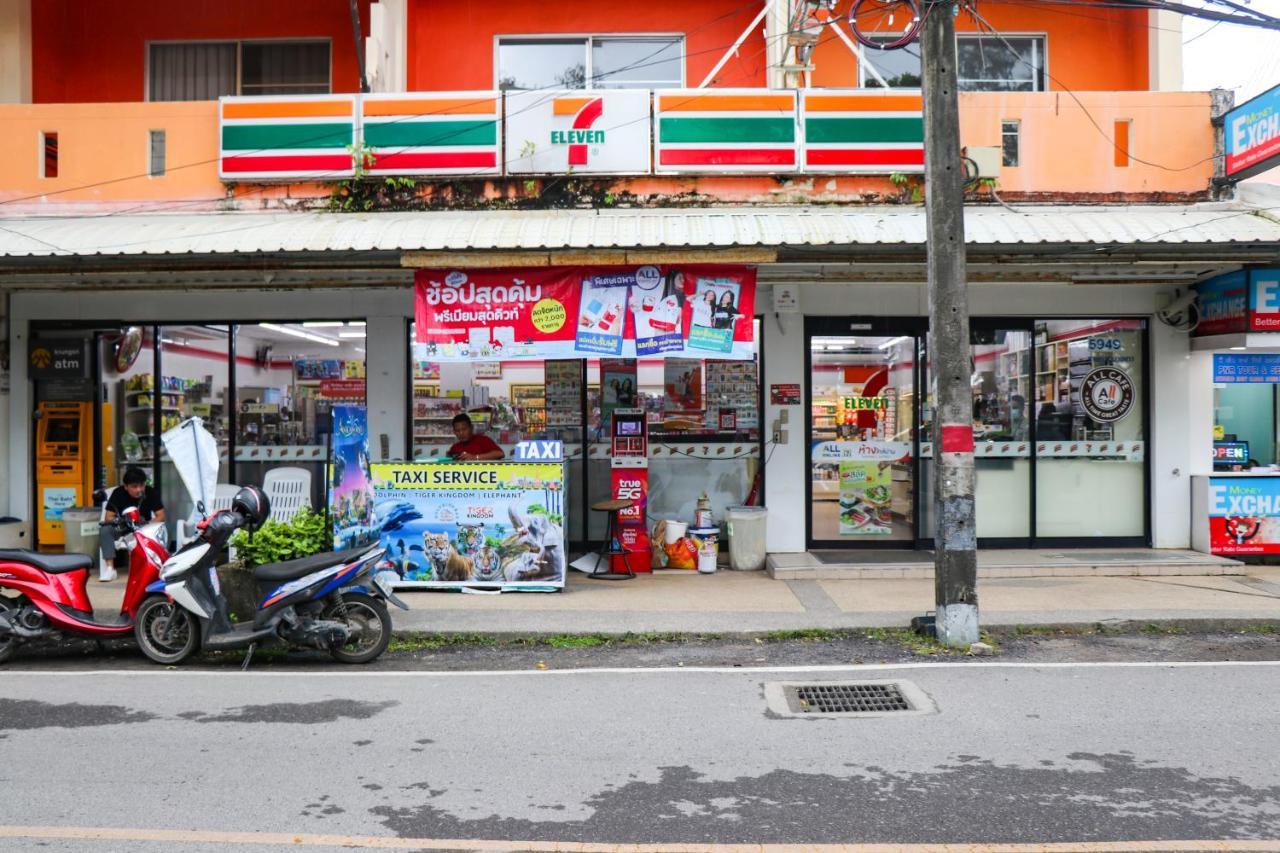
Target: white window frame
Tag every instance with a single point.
(239, 43)
(1043, 37)
(587, 39)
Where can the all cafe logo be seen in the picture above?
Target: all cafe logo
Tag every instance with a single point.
(582, 133)
(1107, 394)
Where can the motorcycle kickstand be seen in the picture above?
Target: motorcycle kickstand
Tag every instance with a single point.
(248, 656)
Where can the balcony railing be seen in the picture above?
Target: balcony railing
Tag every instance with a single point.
(721, 145)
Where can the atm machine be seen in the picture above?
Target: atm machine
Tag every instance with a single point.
(64, 466)
(629, 461)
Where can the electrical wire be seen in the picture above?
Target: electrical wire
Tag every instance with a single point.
(638, 64)
(984, 24)
(320, 175)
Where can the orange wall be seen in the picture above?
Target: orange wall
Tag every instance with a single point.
(1089, 48)
(103, 152)
(451, 42)
(95, 50)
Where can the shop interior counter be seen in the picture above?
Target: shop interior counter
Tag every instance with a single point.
(1236, 514)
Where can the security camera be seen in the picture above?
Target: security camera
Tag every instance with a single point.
(1182, 313)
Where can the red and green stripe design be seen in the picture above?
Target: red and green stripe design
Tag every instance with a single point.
(868, 132)
(281, 137)
(725, 130)
(436, 133)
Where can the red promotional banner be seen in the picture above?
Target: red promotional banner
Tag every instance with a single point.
(699, 311)
(632, 484)
(342, 389)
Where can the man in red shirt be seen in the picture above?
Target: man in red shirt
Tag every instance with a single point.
(471, 447)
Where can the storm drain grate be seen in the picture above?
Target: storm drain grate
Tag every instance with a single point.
(850, 698)
(847, 699)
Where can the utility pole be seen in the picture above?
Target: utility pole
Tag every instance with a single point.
(955, 535)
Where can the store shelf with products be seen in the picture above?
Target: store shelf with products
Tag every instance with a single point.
(530, 403)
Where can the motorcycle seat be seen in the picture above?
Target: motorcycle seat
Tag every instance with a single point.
(54, 564)
(291, 569)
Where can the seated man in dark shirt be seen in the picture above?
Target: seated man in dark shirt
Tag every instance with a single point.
(471, 447)
(134, 492)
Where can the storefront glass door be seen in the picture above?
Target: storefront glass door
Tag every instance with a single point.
(862, 440)
(1001, 379)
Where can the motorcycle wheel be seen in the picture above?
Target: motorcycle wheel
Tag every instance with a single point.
(152, 623)
(371, 623)
(8, 643)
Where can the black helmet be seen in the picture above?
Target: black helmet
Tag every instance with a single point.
(251, 503)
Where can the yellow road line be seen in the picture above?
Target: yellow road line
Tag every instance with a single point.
(375, 842)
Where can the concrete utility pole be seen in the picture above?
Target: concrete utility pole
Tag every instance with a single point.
(955, 536)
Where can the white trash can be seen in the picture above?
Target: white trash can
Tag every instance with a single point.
(745, 526)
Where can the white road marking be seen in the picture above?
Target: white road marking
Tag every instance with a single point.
(622, 670)
(379, 842)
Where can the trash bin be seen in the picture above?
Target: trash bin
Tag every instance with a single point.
(746, 529)
(80, 524)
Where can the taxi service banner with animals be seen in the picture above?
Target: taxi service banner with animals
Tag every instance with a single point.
(645, 311)
(471, 524)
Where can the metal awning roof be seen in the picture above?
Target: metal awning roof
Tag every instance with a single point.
(1108, 228)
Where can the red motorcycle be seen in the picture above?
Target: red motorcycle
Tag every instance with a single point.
(44, 594)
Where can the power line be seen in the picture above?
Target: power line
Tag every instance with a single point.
(217, 232)
(640, 63)
(1013, 51)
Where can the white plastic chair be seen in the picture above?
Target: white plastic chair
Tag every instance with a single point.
(289, 490)
(185, 531)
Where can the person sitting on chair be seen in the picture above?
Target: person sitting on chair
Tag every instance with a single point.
(133, 493)
(471, 447)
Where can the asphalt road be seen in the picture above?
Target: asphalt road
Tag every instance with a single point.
(1021, 753)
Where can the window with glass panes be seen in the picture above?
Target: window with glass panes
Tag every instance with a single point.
(984, 64)
(596, 62)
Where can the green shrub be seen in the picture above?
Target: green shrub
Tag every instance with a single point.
(277, 542)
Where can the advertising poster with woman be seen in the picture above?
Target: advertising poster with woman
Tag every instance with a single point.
(715, 314)
(579, 312)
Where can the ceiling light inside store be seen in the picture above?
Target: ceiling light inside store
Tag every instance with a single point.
(1237, 349)
(351, 334)
(298, 333)
(322, 324)
(893, 342)
(356, 323)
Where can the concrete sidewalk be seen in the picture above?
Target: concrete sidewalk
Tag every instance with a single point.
(752, 602)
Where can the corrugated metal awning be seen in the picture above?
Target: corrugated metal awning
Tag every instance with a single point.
(227, 234)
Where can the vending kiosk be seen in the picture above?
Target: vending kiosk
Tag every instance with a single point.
(64, 466)
(629, 451)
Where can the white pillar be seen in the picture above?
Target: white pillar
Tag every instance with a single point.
(1164, 51)
(387, 46)
(15, 51)
(387, 384)
(19, 440)
(1176, 403)
(776, 24)
(784, 477)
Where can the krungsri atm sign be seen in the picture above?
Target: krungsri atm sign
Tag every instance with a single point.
(598, 132)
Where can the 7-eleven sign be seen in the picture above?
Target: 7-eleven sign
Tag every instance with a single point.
(599, 132)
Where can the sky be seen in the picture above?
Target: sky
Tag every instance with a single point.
(1226, 56)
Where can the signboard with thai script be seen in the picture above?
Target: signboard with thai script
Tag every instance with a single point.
(700, 311)
(725, 130)
(1246, 367)
(286, 137)
(463, 524)
(862, 131)
(597, 132)
(436, 133)
(1252, 136)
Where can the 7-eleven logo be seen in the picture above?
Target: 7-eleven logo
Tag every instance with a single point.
(585, 111)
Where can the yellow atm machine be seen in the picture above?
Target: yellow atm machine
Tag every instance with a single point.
(64, 466)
